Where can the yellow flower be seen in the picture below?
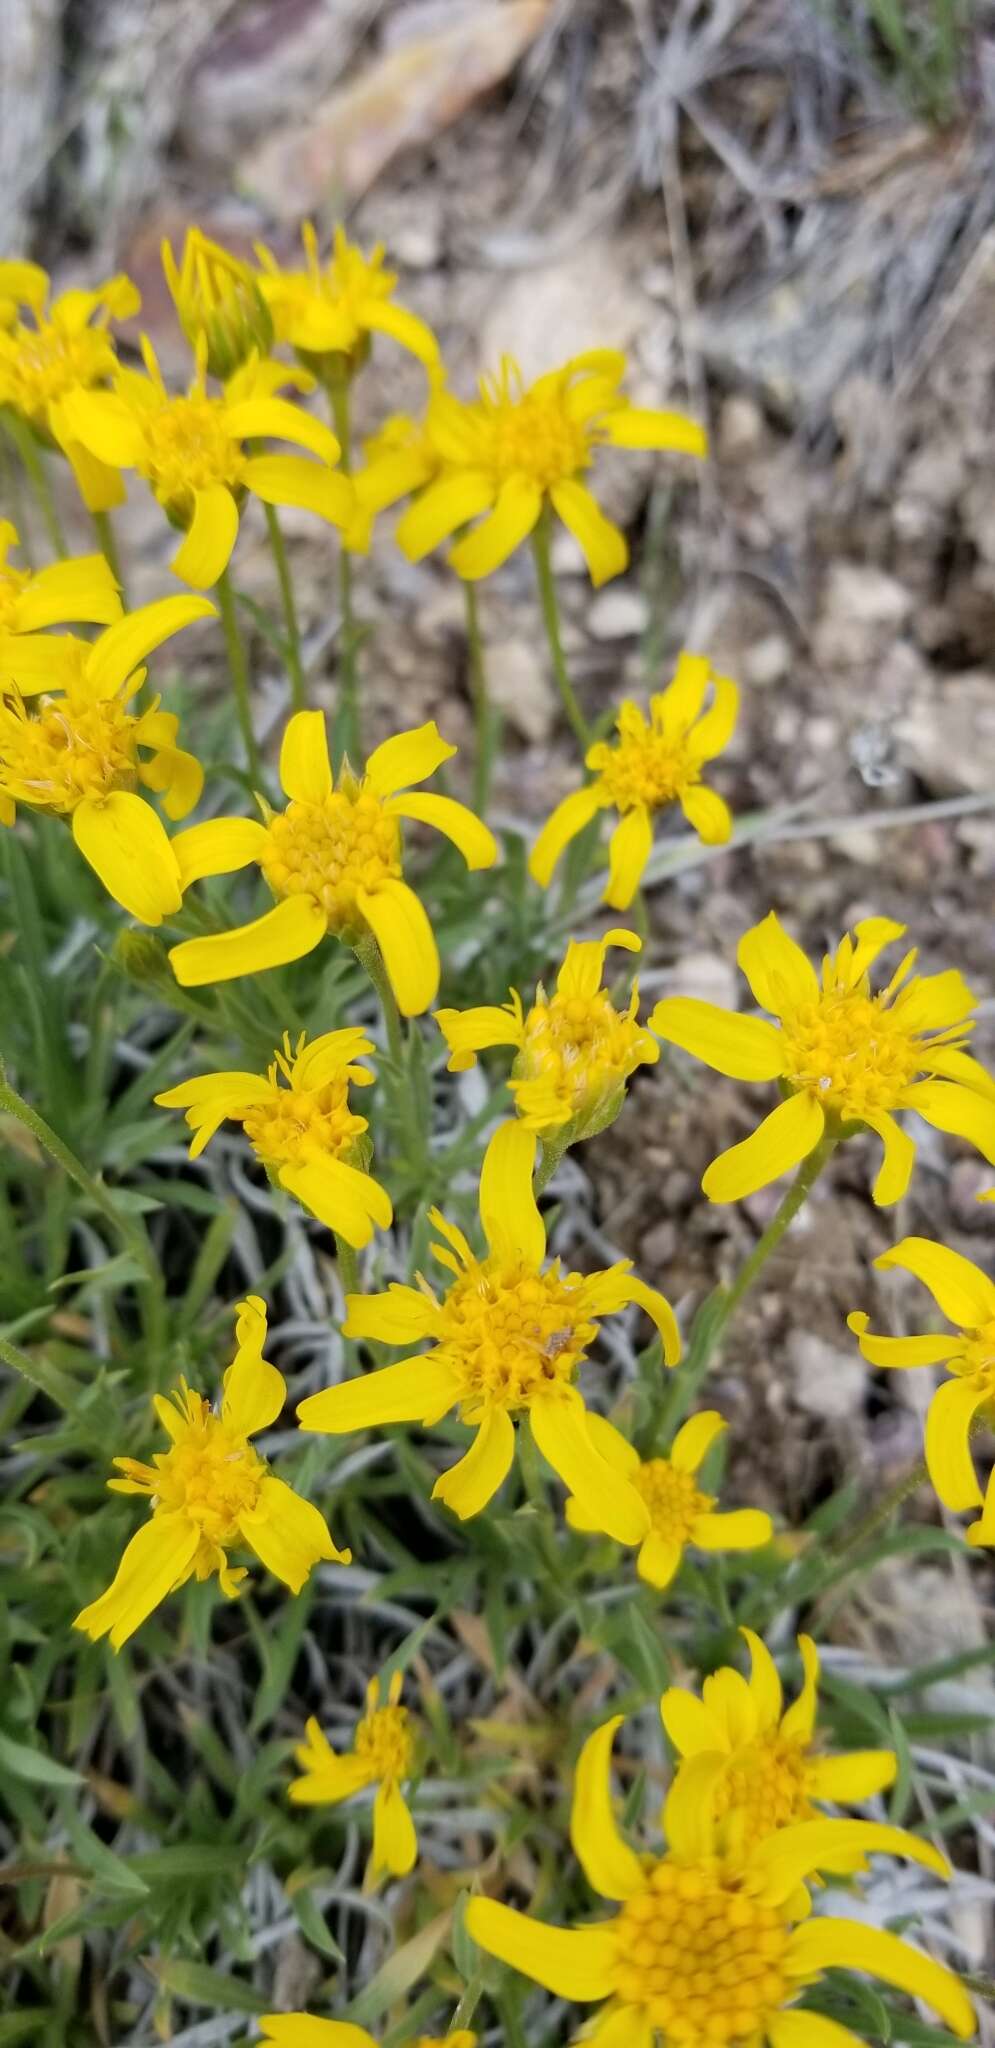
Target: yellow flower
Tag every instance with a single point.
(966, 1296)
(211, 1492)
(679, 1513)
(773, 1774)
(191, 452)
(77, 752)
(62, 351)
(710, 1942)
(80, 591)
(305, 1134)
(844, 1057)
(382, 1754)
(508, 1337)
(574, 1050)
(333, 860)
(217, 297)
(515, 449)
(299, 2030)
(653, 763)
(333, 311)
(400, 458)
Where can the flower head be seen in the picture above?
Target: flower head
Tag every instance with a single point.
(217, 298)
(299, 1123)
(653, 763)
(331, 310)
(299, 2030)
(516, 448)
(966, 1297)
(70, 745)
(574, 1049)
(507, 1338)
(191, 451)
(333, 859)
(774, 1775)
(211, 1492)
(844, 1056)
(382, 1754)
(399, 458)
(710, 1945)
(680, 1514)
(61, 350)
(82, 590)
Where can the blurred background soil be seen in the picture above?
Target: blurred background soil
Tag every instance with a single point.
(787, 218)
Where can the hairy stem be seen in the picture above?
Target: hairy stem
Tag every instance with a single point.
(238, 669)
(551, 620)
(295, 666)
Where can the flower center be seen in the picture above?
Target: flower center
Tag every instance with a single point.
(672, 1498)
(511, 1333)
(704, 1959)
(212, 1476)
(852, 1052)
(303, 1124)
(534, 436)
(188, 448)
(767, 1785)
(642, 767)
(46, 362)
(332, 850)
(580, 1047)
(12, 582)
(384, 1741)
(69, 748)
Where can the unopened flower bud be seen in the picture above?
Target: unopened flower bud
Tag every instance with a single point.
(217, 298)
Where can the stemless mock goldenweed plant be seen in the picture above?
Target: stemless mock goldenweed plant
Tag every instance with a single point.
(181, 1806)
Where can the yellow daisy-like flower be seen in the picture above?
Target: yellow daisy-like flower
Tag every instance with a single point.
(966, 1296)
(844, 1057)
(64, 349)
(191, 452)
(710, 1944)
(773, 1776)
(517, 448)
(81, 591)
(78, 752)
(304, 1132)
(574, 1050)
(382, 1754)
(400, 458)
(653, 763)
(218, 302)
(299, 2030)
(332, 310)
(679, 1512)
(333, 860)
(212, 1492)
(507, 1338)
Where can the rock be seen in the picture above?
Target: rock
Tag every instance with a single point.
(280, 54)
(970, 1178)
(768, 661)
(706, 976)
(657, 1248)
(829, 1382)
(948, 734)
(565, 555)
(543, 316)
(520, 687)
(619, 613)
(741, 428)
(862, 608)
(418, 247)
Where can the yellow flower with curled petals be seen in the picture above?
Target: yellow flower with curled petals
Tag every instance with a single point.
(70, 745)
(680, 1514)
(191, 451)
(217, 298)
(516, 449)
(299, 1123)
(507, 1339)
(332, 310)
(710, 1942)
(382, 1754)
(80, 591)
(211, 1492)
(574, 1051)
(299, 2030)
(333, 861)
(966, 1297)
(845, 1057)
(654, 762)
(63, 349)
(774, 1775)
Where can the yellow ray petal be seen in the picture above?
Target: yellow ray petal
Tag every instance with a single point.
(519, 503)
(737, 1529)
(576, 1963)
(745, 1048)
(289, 1535)
(901, 1351)
(346, 1200)
(293, 480)
(124, 646)
(689, 1725)
(564, 824)
(659, 1559)
(961, 1291)
(475, 841)
(708, 814)
(305, 769)
(83, 589)
(126, 845)
(441, 509)
(474, 1480)
(399, 1316)
(628, 852)
(602, 544)
(783, 1860)
(559, 1425)
(206, 548)
(636, 426)
(798, 1723)
(845, 1780)
(406, 758)
(382, 316)
(398, 921)
(218, 847)
(299, 2030)
(278, 419)
(156, 1560)
(395, 1844)
(947, 1444)
(765, 1681)
(608, 1863)
(777, 970)
(509, 1213)
(782, 1141)
(689, 1809)
(413, 1390)
(695, 1438)
(807, 2030)
(831, 1944)
(254, 1392)
(287, 932)
(895, 1171)
(468, 1032)
(962, 1112)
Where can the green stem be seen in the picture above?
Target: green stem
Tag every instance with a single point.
(371, 959)
(348, 710)
(348, 1265)
(467, 2006)
(37, 1373)
(716, 1311)
(487, 718)
(551, 620)
(30, 454)
(238, 669)
(295, 666)
(104, 529)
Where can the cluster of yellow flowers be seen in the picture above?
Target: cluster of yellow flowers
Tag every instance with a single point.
(711, 1943)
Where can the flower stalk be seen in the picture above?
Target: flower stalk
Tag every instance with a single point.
(549, 603)
(238, 669)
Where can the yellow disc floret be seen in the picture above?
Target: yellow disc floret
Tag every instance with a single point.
(703, 1958)
(645, 765)
(673, 1499)
(856, 1052)
(210, 1472)
(331, 850)
(531, 432)
(72, 747)
(576, 1053)
(385, 1743)
(513, 1333)
(42, 364)
(188, 448)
